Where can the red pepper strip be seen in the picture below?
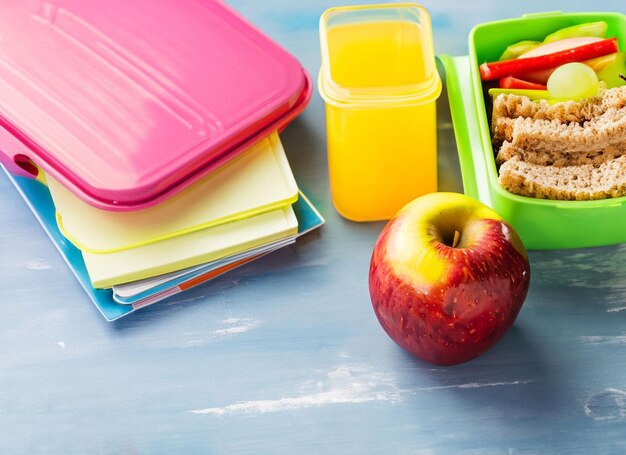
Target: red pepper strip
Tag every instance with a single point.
(498, 70)
(513, 82)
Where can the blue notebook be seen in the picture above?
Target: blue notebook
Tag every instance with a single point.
(38, 199)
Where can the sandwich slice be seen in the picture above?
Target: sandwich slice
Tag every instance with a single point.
(570, 150)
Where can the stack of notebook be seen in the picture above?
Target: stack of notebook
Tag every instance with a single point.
(128, 260)
(144, 136)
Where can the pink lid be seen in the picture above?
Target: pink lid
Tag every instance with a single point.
(128, 101)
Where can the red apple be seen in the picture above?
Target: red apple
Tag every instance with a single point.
(447, 278)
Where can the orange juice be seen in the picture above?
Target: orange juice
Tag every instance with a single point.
(380, 84)
(376, 54)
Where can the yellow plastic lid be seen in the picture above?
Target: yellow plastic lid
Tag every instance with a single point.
(257, 181)
(377, 54)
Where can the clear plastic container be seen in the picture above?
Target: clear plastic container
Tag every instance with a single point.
(380, 83)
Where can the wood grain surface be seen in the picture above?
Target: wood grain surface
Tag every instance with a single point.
(285, 355)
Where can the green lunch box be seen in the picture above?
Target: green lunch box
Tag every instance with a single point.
(542, 224)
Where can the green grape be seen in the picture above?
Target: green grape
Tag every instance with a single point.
(573, 81)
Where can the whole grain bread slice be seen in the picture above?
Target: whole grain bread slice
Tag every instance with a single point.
(557, 158)
(584, 182)
(542, 135)
(508, 106)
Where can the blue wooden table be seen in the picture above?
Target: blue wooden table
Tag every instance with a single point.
(285, 355)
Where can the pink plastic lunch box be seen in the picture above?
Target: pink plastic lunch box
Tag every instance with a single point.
(125, 102)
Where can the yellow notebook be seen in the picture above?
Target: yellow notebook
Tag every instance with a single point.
(109, 269)
(257, 181)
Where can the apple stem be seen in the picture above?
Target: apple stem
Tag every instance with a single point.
(457, 237)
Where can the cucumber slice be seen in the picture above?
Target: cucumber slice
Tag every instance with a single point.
(517, 49)
(597, 29)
